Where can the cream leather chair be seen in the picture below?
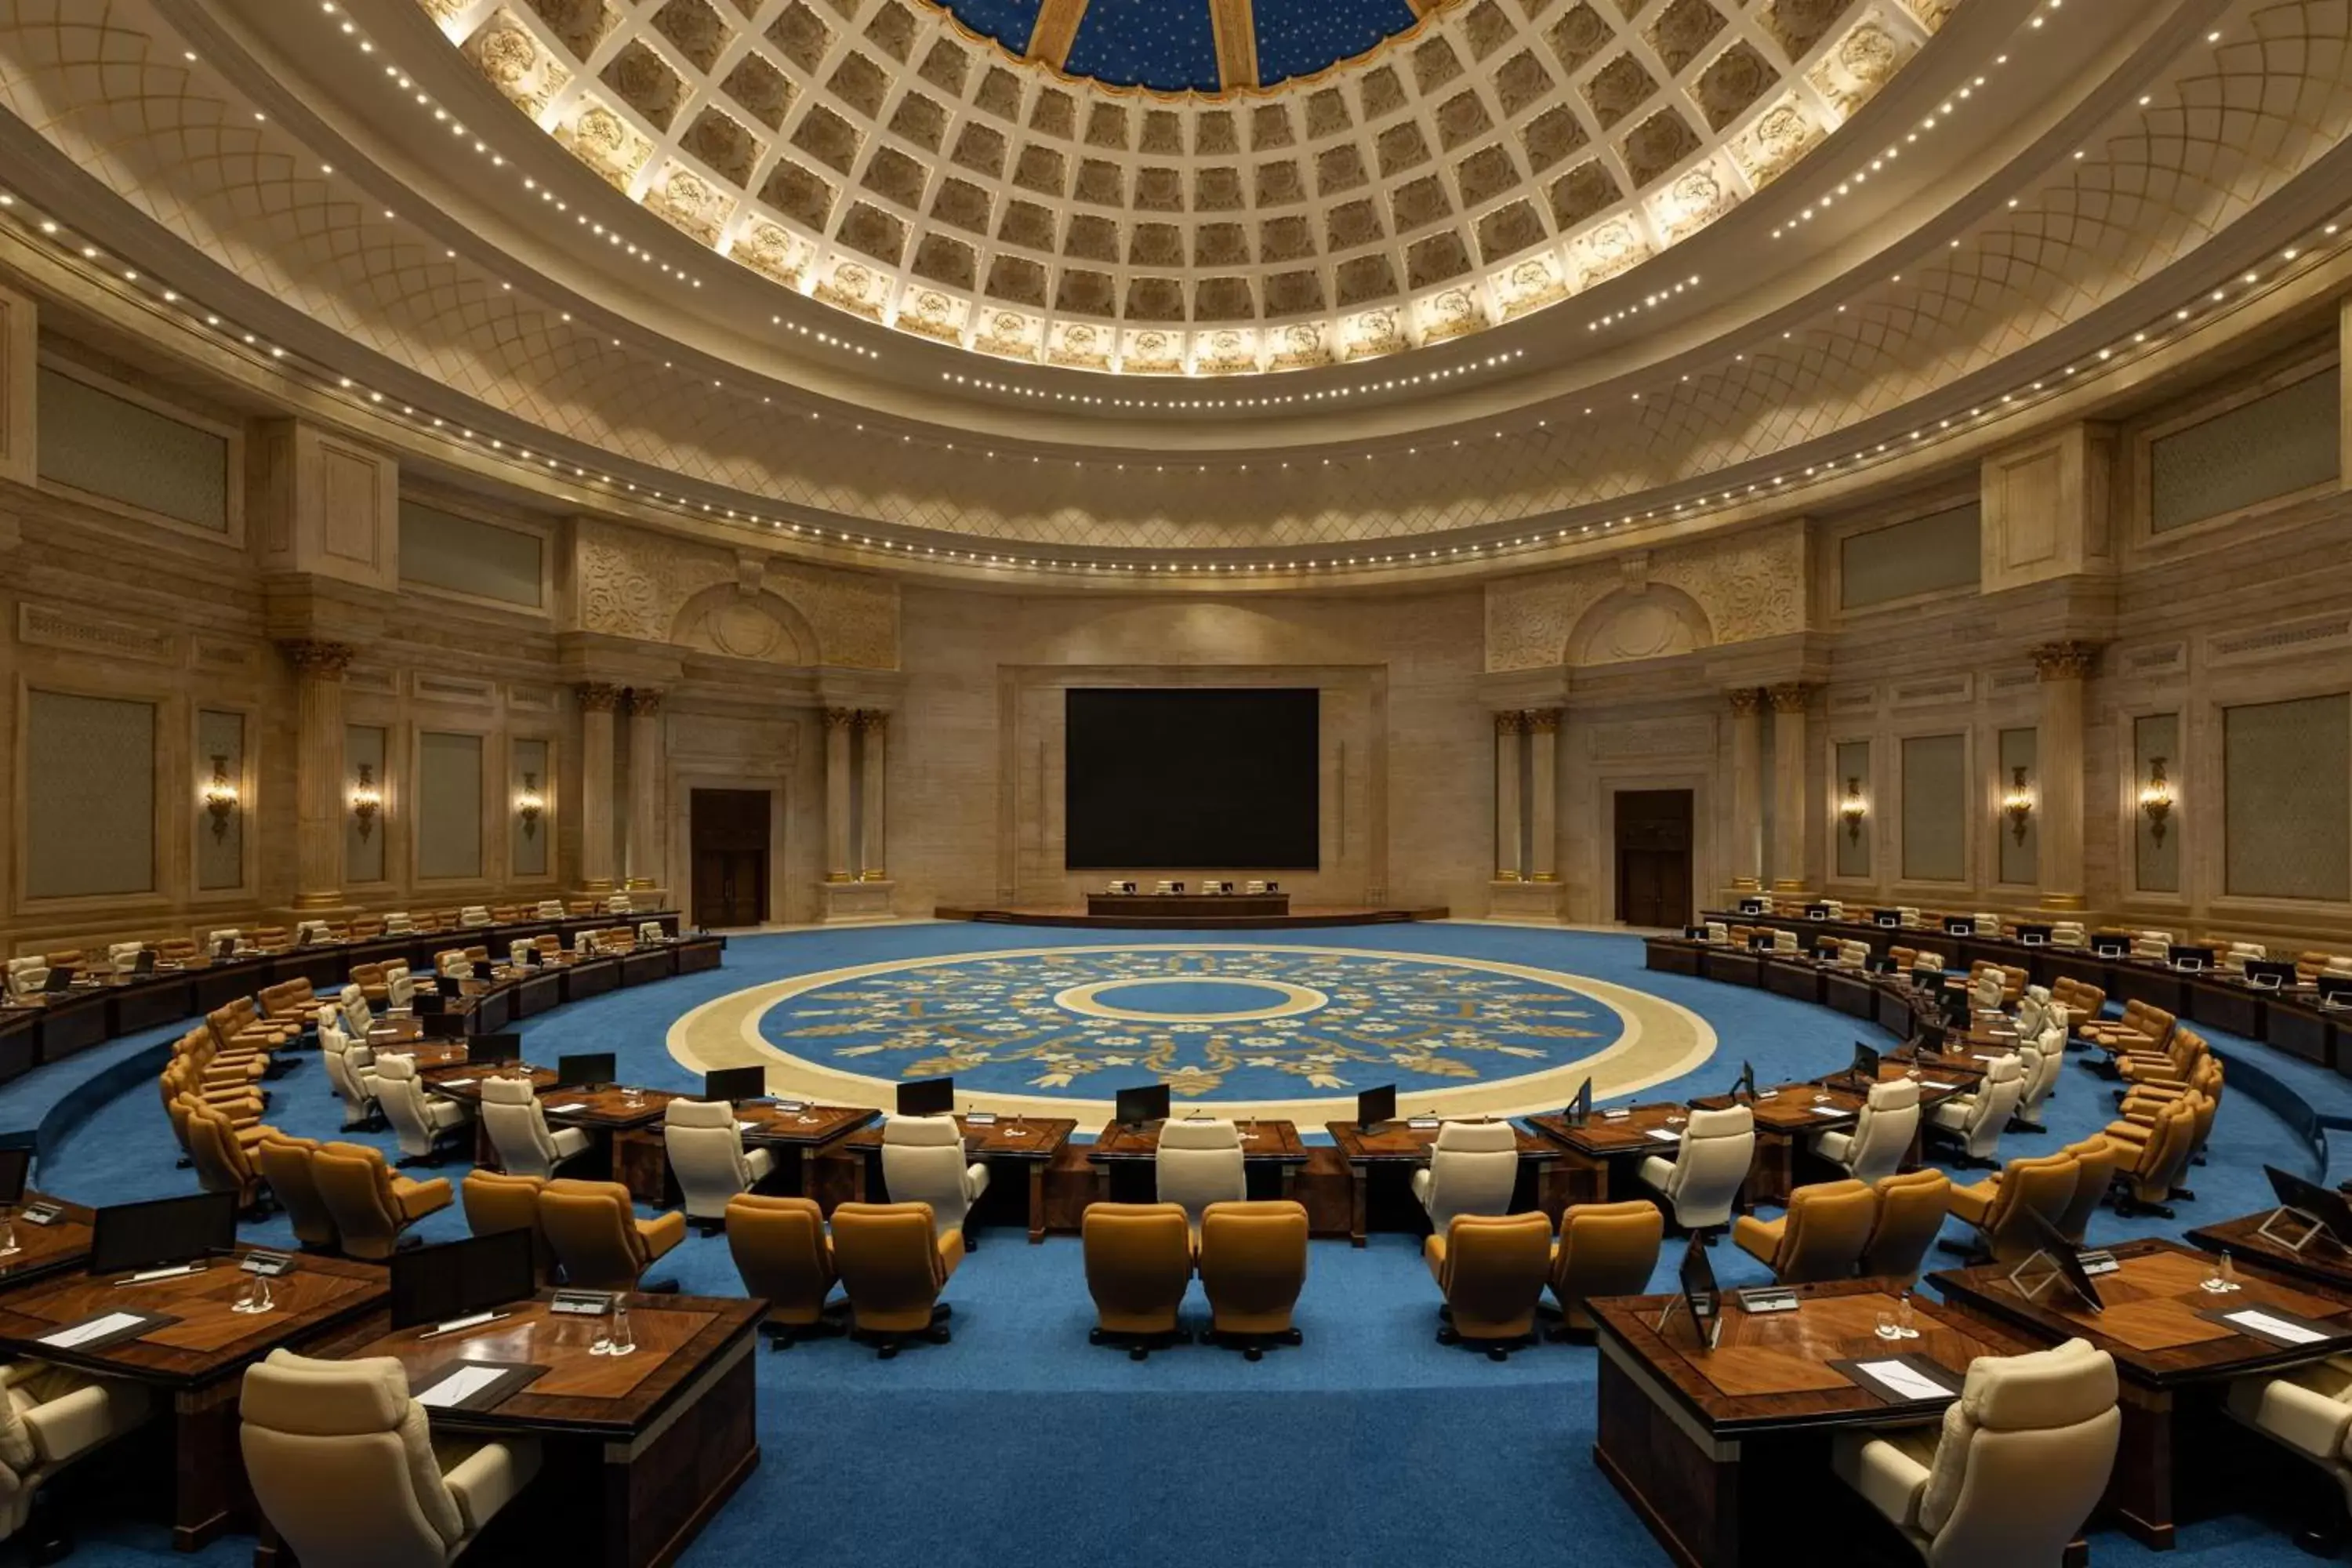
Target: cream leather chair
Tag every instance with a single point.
(370, 1206)
(1200, 1163)
(1139, 1262)
(474, 915)
(423, 1122)
(2235, 958)
(229, 935)
(2013, 1470)
(1718, 933)
(451, 963)
(350, 1073)
(619, 904)
(2069, 933)
(1882, 1133)
(650, 933)
(2033, 1007)
(707, 1155)
(1820, 1238)
(2307, 1411)
(597, 1235)
(518, 1130)
(1907, 914)
(1491, 1269)
(399, 923)
(1977, 1120)
(2043, 1054)
(1984, 990)
(1853, 955)
(346, 1468)
(2152, 944)
(1604, 1249)
(1702, 1181)
(549, 909)
(783, 1255)
(1472, 1170)
(399, 988)
(923, 1163)
(49, 1416)
(123, 956)
(26, 976)
(1784, 941)
(358, 1014)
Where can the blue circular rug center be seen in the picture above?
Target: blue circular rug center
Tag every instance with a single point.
(1204, 999)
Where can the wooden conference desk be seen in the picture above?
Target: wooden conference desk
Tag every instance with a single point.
(2326, 1261)
(2171, 1359)
(1398, 1145)
(1264, 1144)
(1030, 1141)
(44, 1249)
(199, 1360)
(1187, 908)
(1719, 1451)
(638, 1452)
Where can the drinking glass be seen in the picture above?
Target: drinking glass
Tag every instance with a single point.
(1889, 1325)
(8, 1244)
(255, 1297)
(622, 1340)
(2222, 1276)
(1909, 1329)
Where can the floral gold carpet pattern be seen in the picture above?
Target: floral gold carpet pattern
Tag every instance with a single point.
(1228, 1024)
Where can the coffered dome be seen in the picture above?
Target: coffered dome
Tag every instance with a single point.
(985, 175)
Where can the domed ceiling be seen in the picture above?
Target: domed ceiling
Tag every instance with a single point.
(1268, 196)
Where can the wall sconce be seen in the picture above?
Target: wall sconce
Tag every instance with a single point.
(2019, 804)
(2156, 799)
(220, 796)
(366, 800)
(529, 804)
(1852, 810)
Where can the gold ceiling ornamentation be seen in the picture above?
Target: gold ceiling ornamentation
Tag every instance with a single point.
(1490, 161)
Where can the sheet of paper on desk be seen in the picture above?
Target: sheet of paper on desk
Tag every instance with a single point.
(1828, 1110)
(1936, 1083)
(746, 1127)
(1904, 1379)
(2261, 1323)
(455, 1082)
(567, 1107)
(460, 1385)
(96, 1328)
(1666, 1134)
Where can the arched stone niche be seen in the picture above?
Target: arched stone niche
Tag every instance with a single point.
(1641, 621)
(726, 620)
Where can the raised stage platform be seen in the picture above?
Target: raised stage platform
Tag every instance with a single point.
(1250, 915)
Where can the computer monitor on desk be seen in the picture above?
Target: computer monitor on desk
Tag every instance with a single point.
(733, 1084)
(125, 1237)
(2111, 946)
(1136, 1107)
(2335, 990)
(1701, 1297)
(483, 1050)
(15, 1169)
(1579, 1109)
(2324, 1211)
(1864, 1069)
(1375, 1108)
(2269, 974)
(2190, 959)
(1760, 942)
(459, 1279)
(60, 978)
(2064, 1258)
(2034, 935)
(1889, 918)
(928, 1096)
(585, 1070)
(1959, 925)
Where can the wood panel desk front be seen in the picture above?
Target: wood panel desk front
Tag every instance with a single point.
(1594, 1155)
(652, 1443)
(2166, 1350)
(1029, 1141)
(198, 1361)
(1401, 1145)
(1718, 1450)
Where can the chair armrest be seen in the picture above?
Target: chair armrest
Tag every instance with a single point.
(74, 1423)
(417, 1199)
(1972, 1204)
(1759, 1239)
(661, 1233)
(2127, 1132)
(489, 1477)
(1885, 1475)
(2303, 1419)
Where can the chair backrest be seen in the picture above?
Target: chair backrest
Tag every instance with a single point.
(2044, 1186)
(1854, 955)
(355, 1185)
(705, 1153)
(474, 915)
(220, 1161)
(518, 1126)
(1473, 1169)
(495, 1201)
(1718, 1148)
(2166, 1151)
(1200, 1163)
(1995, 1100)
(285, 1164)
(1605, 1249)
(2024, 1457)
(1138, 1260)
(550, 909)
(2095, 1159)
(1494, 1272)
(401, 1093)
(341, 1462)
(399, 923)
(889, 1255)
(2044, 1054)
(1911, 1210)
(1829, 1225)
(923, 1162)
(592, 1232)
(1253, 1264)
(1883, 1131)
(782, 1253)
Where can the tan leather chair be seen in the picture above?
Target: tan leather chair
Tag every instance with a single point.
(2173, 1064)
(496, 1201)
(2095, 1159)
(223, 1160)
(1253, 1267)
(285, 1164)
(1820, 1237)
(51, 1415)
(597, 1237)
(1491, 1269)
(1604, 1249)
(893, 1267)
(370, 1204)
(781, 1252)
(2013, 1470)
(346, 1468)
(1997, 1205)
(2082, 1001)
(2152, 1160)
(1911, 1211)
(1139, 1263)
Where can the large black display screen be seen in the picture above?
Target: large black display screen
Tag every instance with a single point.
(1213, 780)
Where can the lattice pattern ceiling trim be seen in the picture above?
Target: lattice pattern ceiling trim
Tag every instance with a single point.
(1506, 155)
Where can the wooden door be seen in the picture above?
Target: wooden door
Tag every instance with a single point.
(730, 857)
(1654, 857)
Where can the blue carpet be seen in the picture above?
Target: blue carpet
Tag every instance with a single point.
(1005, 1446)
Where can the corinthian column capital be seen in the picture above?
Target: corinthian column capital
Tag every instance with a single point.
(598, 697)
(1791, 696)
(2067, 660)
(318, 658)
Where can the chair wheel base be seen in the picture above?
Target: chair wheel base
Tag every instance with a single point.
(1253, 1346)
(1138, 1346)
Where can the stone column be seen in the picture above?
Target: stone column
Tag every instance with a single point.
(1543, 784)
(1789, 809)
(873, 841)
(597, 702)
(1747, 788)
(647, 868)
(2064, 668)
(1507, 728)
(837, 726)
(319, 670)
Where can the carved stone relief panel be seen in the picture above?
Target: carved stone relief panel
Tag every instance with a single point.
(1749, 586)
(637, 584)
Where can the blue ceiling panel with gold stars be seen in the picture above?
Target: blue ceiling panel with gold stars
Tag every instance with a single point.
(1186, 46)
(1009, 22)
(1166, 45)
(1299, 38)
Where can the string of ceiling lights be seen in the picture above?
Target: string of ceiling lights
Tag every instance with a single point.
(522, 455)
